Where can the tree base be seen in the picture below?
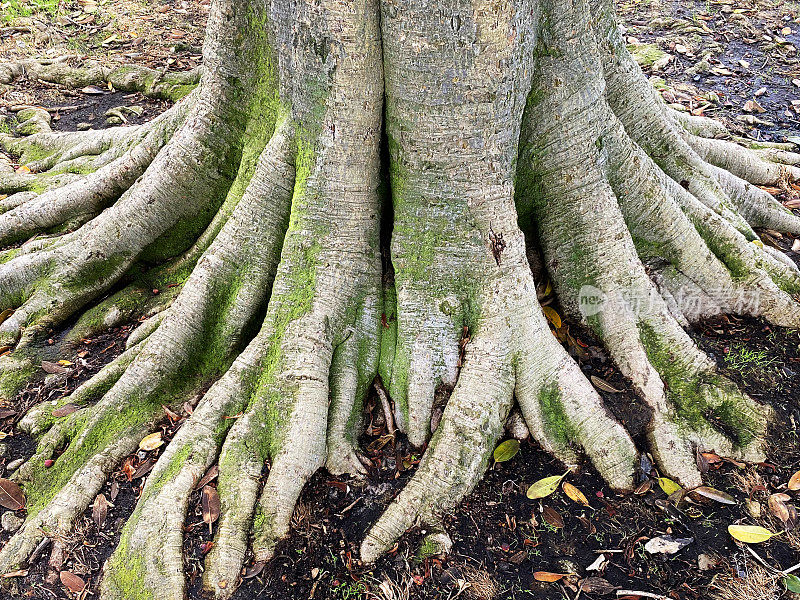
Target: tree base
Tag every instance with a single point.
(265, 203)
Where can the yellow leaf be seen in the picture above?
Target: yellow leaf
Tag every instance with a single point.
(574, 493)
(602, 384)
(506, 451)
(794, 482)
(552, 316)
(545, 487)
(758, 243)
(669, 486)
(750, 534)
(64, 363)
(151, 442)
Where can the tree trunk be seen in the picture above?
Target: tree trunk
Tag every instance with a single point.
(270, 193)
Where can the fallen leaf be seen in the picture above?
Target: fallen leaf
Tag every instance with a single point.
(545, 487)
(714, 494)
(574, 493)
(552, 517)
(667, 544)
(254, 570)
(71, 581)
(549, 577)
(143, 469)
(5, 314)
(151, 442)
(777, 507)
(65, 410)
(552, 316)
(750, 534)
(792, 583)
(100, 510)
(210, 505)
(208, 477)
(11, 496)
(669, 486)
(602, 384)
(53, 368)
(596, 585)
(173, 416)
(711, 458)
(506, 451)
(794, 482)
(93, 90)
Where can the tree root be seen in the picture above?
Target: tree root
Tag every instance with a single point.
(268, 224)
(125, 78)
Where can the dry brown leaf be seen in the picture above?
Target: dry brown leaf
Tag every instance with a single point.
(100, 510)
(211, 505)
(794, 482)
(552, 517)
(603, 385)
(778, 508)
(72, 582)
(714, 494)
(208, 477)
(53, 368)
(11, 496)
(65, 410)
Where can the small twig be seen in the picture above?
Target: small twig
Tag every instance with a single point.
(349, 506)
(761, 560)
(387, 407)
(791, 569)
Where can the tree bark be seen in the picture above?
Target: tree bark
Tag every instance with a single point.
(353, 191)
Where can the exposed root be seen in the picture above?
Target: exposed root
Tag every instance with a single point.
(126, 78)
(214, 311)
(85, 197)
(258, 200)
(745, 163)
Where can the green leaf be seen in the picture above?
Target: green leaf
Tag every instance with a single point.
(669, 486)
(545, 487)
(750, 534)
(792, 583)
(506, 451)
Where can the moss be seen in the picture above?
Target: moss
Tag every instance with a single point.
(35, 153)
(15, 377)
(692, 393)
(126, 303)
(176, 463)
(554, 417)
(646, 54)
(126, 571)
(388, 333)
(428, 548)
(91, 434)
